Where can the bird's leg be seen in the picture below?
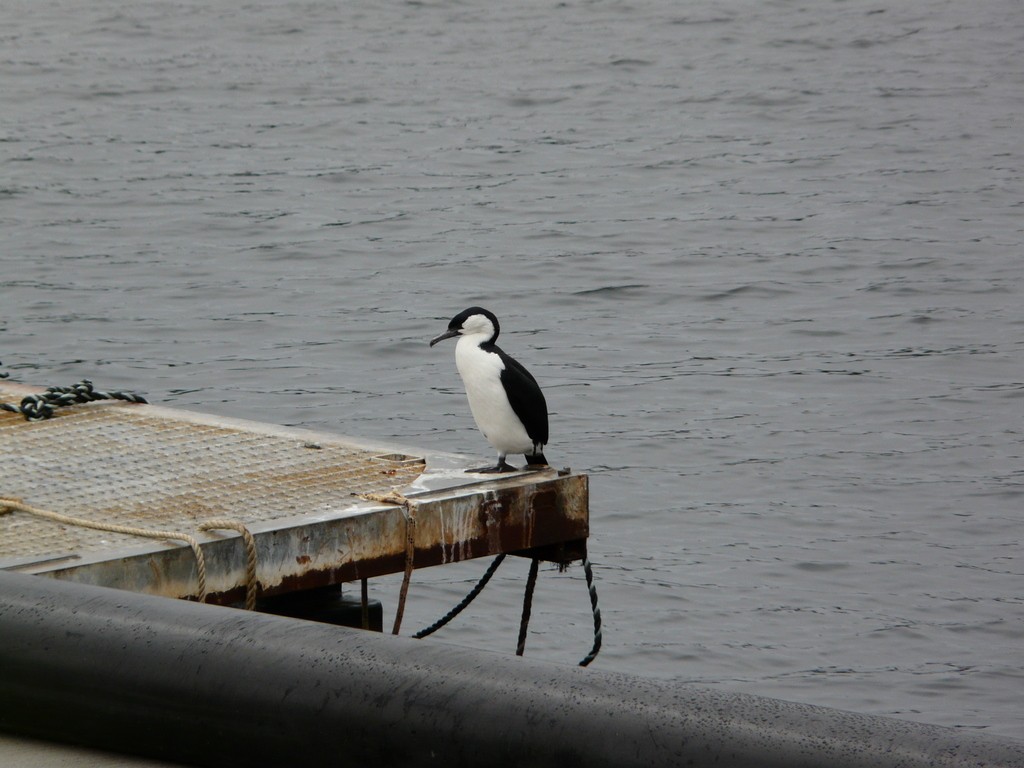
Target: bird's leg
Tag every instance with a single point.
(501, 466)
(535, 461)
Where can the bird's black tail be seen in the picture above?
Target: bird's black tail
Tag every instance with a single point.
(536, 460)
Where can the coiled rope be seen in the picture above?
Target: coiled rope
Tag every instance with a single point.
(42, 406)
(17, 505)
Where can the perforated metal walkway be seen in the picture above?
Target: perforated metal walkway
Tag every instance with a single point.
(298, 492)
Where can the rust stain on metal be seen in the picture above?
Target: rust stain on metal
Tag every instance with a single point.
(490, 515)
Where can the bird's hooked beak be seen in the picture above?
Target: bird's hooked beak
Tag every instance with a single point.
(446, 335)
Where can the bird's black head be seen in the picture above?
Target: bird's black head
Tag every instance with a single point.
(472, 322)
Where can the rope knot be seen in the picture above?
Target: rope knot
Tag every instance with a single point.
(409, 513)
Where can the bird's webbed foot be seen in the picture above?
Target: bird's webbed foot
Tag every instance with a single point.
(501, 466)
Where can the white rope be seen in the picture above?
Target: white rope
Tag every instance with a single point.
(17, 505)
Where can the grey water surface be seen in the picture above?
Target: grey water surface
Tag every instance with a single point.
(765, 258)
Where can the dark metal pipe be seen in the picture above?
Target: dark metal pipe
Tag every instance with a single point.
(215, 686)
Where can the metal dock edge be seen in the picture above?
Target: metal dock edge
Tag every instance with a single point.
(304, 496)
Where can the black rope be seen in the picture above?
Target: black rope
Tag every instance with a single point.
(589, 572)
(39, 407)
(527, 606)
(524, 623)
(465, 601)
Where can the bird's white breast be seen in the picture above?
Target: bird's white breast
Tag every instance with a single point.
(481, 374)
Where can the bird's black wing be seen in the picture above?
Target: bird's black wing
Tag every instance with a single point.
(525, 397)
